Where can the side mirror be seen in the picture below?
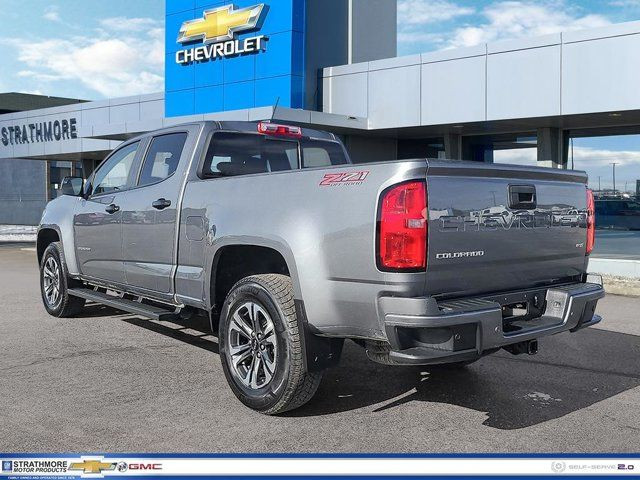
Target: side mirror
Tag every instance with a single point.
(72, 186)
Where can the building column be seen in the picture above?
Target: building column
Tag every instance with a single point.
(47, 180)
(87, 168)
(553, 147)
(371, 149)
(476, 149)
(453, 146)
(488, 154)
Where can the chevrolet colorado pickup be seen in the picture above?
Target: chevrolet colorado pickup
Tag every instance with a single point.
(290, 249)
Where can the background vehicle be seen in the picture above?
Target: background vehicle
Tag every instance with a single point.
(618, 213)
(290, 249)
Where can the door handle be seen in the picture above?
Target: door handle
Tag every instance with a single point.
(111, 209)
(161, 204)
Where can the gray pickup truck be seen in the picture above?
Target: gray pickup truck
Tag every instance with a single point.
(290, 249)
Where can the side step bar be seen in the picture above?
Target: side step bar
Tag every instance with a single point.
(149, 311)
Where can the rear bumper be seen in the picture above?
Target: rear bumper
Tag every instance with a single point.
(422, 331)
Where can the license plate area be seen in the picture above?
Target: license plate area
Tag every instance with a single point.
(521, 311)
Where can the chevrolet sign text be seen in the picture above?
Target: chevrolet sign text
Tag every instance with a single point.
(221, 50)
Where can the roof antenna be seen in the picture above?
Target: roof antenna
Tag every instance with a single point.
(275, 107)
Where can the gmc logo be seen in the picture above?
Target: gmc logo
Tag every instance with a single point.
(145, 466)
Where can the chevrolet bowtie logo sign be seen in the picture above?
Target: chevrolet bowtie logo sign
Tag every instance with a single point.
(217, 29)
(92, 466)
(220, 24)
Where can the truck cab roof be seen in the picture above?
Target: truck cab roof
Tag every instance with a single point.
(242, 127)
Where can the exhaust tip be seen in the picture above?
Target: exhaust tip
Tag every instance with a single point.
(532, 347)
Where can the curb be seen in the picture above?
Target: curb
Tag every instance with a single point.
(17, 238)
(18, 234)
(615, 267)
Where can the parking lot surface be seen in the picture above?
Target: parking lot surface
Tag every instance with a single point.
(622, 244)
(112, 382)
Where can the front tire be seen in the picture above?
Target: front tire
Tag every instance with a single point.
(261, 346)
(54, 284)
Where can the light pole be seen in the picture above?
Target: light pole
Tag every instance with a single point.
(614, 176)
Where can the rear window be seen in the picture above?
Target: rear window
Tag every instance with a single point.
(233, 154)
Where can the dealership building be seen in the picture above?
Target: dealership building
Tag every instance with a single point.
(332, 64)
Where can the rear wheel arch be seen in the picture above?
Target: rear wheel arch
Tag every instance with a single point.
(231, 263)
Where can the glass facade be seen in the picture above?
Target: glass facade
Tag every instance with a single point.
(57, 171)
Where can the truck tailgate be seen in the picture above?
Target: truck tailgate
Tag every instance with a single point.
(495, 228)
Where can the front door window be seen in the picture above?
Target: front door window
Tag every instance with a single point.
(113, 176)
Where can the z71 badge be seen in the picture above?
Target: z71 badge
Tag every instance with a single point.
(351, 178)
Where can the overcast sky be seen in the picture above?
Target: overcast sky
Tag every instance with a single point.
(95, 49)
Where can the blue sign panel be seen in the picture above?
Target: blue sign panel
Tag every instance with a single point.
(231, 55)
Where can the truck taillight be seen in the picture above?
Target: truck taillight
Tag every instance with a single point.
(591, 222)
(402, 228)
(279, 130)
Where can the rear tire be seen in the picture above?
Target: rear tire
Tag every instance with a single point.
(261, 346)
(55, 284)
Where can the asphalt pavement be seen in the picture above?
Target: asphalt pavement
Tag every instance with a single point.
(113, 382)
(619, 244)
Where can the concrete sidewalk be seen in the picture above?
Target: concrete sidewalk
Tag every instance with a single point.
(18, 233)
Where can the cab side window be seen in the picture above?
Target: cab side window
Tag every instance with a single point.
(113, 175)
(162, 158)
(322, 153)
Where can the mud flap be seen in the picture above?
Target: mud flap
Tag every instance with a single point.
(320, 352)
